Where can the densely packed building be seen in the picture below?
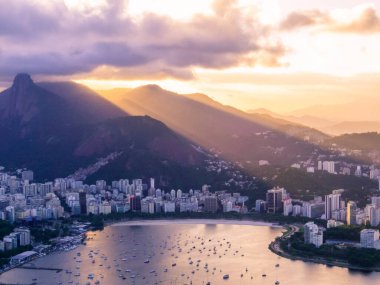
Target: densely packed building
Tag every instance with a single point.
(22, 199)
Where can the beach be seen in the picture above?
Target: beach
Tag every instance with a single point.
(164, 222)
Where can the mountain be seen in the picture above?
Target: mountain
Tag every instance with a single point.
(83, 100)
(352, 127)
(326, 126)
(366, 146)
(31, 107)
(311, 121)
(57, 128)
(237, 135)
(263, 111)
(364, 141)
(363, 109)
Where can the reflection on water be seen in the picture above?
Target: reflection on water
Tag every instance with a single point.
(182, 254)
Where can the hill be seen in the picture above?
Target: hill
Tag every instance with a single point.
(353, 127)
(56, 128)
(236, 135)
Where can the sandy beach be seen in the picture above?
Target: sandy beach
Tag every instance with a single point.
(193, 222)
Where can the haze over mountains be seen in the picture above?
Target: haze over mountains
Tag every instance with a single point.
(359, 116)
(239, 136)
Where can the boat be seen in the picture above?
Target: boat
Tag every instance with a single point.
(226, 276)
(146, 261)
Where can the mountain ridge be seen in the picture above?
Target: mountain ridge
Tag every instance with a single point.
(72, 126)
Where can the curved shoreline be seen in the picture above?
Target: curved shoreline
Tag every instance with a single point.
(274, 246)
(164, 222)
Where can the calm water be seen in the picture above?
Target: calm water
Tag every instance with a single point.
(226, 249)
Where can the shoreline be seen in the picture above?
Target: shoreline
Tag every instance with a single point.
(274, 247)
(165, 222)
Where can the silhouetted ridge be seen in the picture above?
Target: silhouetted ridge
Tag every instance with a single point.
(42, 123)
(22, 79)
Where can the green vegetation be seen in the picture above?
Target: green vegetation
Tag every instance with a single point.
(6, 255)
(306, 186)
(362, 257)
(43, 235)
(347, 233)
(5, 228)
(363, 141)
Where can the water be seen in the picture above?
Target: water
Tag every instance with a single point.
(239, 249)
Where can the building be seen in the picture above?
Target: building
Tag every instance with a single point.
(263, 162)
(374, 174)
(23, 257)
(211, 204)
(135, 202)
(287, 206)
(351, 213)
(375, 200)
(169, 207)
(23, 236)
(369, 238)
(334, 224)
(313, 234)
(332, 203)
(373, 215)
(27, 175)
(83, 202)
(310, 169)
(274, 200)
(358, 171)
(297, 210)
(261, 206)
(329, 166)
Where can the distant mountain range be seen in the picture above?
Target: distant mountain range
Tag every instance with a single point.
(236, 135)
(332, 125)
(56, 128)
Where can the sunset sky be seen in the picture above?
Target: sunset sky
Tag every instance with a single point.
(278, 54)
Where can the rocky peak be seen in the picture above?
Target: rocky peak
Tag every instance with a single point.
(22, 80)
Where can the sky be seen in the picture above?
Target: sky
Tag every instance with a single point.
(282, 55)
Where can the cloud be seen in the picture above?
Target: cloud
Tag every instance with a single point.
(52, 39)
(361, 20)
(367, 22)
(302, 19)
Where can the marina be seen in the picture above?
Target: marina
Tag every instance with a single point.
(177, 254)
